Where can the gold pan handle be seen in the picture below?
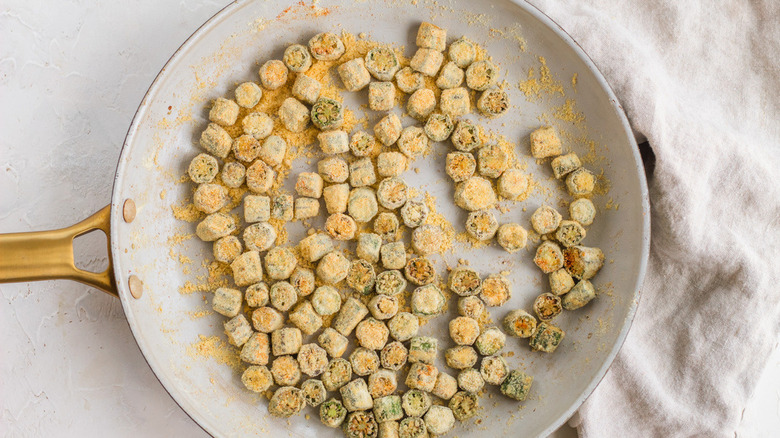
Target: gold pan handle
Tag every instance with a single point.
(48, 255)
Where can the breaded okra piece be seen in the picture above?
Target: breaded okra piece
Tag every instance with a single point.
(354, 74)
(512, 237)
(260, 236)
(282, 207)
(294, 115)
(388, 408)
(381, 96)
(464, 330)
(546, 338)
(224, 112)
(438, 127)
(390, 163)
(430, 36)
(581, 294)
(257, 378)
(280, 263)
(446, 386)
(372, 333)
(355, 396)
(246, 148)
(326, 46)
(464, 281)
(421, 103)
(383, 307)
(286, 371)
(481, 75)
(361, 144)
(327, 114)
(490, 341)
(565, 164)
(362, 204)
(258, 126)
(364, 361)
(361, 424)
(215, 226)
(248, 94)
(462, 52)
(216, 141)
(466, 136)
(247, 269)
(476, 193)
(256, 350)
(336, 197)
(351, 313)
(471, 306)
(286, 402)
(332, 413)
(450, 76)
(333, 169)
(461, 357)
(297, 58)
(361, 276)
(560, 282)
(361, 173)
(460, 166)
(326, 300)
(545, 219)
(427, 61)
(394, 355)
(412, 427)
(583, 211)
(314, 247)
(381, 384)
(260, 177)
(227, 249)
(414, 213)
(392, 193)
(581, 182)
(273, 74)
(333, 267)
(455, 101)
(495, 290)
(256, 295)
(428, 301)
(547, 306)
(203, 169)
(393, 255)
(470, 380)
(340, 226)
(494, 370)
(267, 319)
(439, 420)
(306, 89)
(403, 326)
(420, 271)
(409, 80)
(257, 208)
(313, 392)
(549, 257)
(286, 340)
(390, 282)
(482, 225)
(309, 184)
(306, 318)
(583, 262)
(464, 405)
(513, 184)
(368, 247)
(238, 330)
(388, 129)
(570, 233)
(422, 376)
(423, 349)
(493, 102)
(416, 403)
(493, 161)
(545, 143)
(413, 142)
(428, 239)
(517, 385)
(382, 63)
(337, 374)
(233, 174)
(334, 343)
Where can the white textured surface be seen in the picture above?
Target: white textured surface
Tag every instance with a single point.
(71, 76)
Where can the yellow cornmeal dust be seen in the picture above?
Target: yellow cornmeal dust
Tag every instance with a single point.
(215, 348)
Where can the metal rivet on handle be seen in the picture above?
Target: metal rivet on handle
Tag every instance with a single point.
(136, 286)
(128, 210)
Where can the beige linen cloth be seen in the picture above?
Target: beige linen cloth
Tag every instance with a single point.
(700, 80)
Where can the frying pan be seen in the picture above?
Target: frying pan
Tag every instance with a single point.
(225, 51)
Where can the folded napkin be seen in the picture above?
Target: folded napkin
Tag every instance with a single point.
(701, 82)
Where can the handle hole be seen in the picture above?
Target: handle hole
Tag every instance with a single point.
(90, 251)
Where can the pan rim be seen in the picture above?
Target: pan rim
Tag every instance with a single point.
(116, 218)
